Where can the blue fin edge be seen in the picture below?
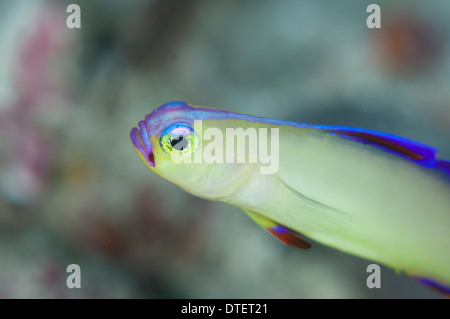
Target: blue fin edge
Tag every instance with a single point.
(435, 285)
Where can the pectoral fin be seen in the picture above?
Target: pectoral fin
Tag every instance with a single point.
(286, 235)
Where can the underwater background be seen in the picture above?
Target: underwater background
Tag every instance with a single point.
(73, 190)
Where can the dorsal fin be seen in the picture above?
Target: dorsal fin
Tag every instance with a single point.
(416, 152)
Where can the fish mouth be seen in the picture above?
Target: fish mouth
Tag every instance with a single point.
(139, 137)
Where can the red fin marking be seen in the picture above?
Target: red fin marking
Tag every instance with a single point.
(289, 237)
(392, 145)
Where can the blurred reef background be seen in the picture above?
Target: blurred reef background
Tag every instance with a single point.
(72, 189)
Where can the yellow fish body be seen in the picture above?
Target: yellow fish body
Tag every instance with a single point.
(370, 194)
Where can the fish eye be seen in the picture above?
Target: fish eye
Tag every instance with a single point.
(178, 138)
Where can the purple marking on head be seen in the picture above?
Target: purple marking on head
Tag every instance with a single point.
(134, 138)
(138, 137)
(172, 104)
(145, 138)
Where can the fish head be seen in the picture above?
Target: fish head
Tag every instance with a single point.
(170, 142)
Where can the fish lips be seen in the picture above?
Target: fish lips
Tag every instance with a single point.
(139, 137)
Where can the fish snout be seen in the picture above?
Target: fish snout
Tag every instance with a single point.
(139, 137)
